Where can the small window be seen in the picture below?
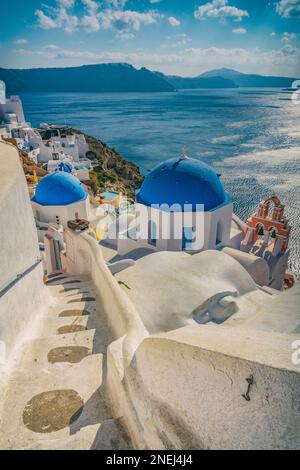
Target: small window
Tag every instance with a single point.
(187, 238)
(219, 233)
(260, 231)
(55, 156)
(152, 235)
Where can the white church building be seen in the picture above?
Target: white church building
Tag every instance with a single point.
(60, 197)
(181, 206)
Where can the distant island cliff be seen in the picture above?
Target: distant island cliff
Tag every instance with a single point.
(88, 78)
(249, 80)
(184, 83)
(227, 78)
(119, 77)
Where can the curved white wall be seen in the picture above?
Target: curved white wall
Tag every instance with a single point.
(184, 390)
(19, 251)
(189, 387)
(257, 267)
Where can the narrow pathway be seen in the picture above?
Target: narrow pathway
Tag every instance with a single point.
(55, 397)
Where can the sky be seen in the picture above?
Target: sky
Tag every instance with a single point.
(183, 37)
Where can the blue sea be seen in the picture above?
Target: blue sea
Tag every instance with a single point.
(251, 136)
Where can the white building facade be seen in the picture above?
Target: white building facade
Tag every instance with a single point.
(11, 112)
(181, 206)
(60, 197)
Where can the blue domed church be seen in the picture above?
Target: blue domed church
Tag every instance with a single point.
(60, 197)
(181, 206)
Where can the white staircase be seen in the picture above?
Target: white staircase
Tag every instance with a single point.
(55, 398)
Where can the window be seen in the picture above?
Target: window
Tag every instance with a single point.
(187, 238)
(260, 230)
(273, 232)
(55, 156)
(152, 235)
(219, 233)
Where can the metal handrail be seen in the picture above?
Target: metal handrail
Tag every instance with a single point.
(19, 277)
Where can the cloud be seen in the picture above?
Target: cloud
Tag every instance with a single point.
(20, 42)
(46, 22)
(111, 17)
(60, 17)
(178, 40)
(288, 8)
(183, 40)
(66, 3)
(127, 20)
(188, 61)
(174, 21)
(30, 52)
(90, 5)
(239, 31)
(125, 36)
(219, 9)
(288, 49)
(51, 47)
(118, 4)
(90, 24)
(288, 37)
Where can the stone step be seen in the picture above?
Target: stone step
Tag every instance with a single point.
(62, 309)
(62, 325)
(66, 280)
(39, 350)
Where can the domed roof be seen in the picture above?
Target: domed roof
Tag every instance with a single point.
(62, 166)
(59, 189)
(183, 181)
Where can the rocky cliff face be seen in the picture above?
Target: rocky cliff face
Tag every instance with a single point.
(29, 166)
(111, 170)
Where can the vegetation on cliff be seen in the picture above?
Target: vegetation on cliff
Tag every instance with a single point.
(110, 170)
(29, 167)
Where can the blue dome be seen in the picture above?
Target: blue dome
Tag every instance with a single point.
(59, 189)
(64, 167)
(183, 181)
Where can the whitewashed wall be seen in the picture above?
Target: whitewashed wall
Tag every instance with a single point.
(208, 221)
(19, 251)
(187, 390)
(13, 105)
(48, 214)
